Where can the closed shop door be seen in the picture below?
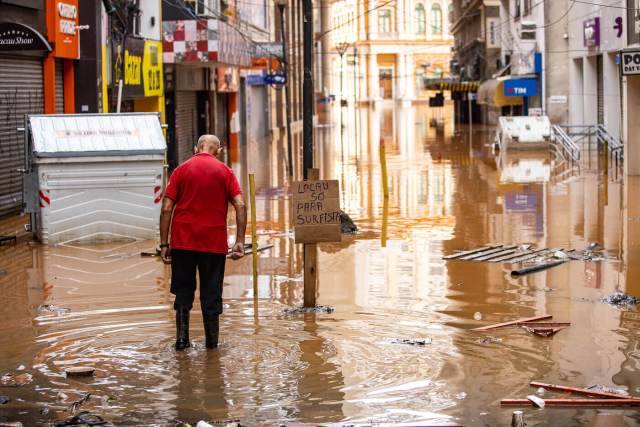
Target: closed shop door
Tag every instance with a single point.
(59, 86)
(186, 123)
(600, 95)
(21, 92)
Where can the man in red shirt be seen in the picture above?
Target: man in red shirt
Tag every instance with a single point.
(195, 208)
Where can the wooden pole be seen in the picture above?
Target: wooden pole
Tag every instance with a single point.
(383, 165)
(311, 259)
(254, 236)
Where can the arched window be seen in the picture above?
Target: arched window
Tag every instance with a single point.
(436, 18)
(421, 18)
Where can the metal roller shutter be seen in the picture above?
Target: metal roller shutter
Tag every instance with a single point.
(59, 86)
(21, 92)
(186, 123)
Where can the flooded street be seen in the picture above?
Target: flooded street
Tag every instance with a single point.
(448, 191)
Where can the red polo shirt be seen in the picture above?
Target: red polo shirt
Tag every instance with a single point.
(201, 188)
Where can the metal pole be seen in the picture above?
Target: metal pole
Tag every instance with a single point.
(341, 109)
(307, 87)
(287, 103)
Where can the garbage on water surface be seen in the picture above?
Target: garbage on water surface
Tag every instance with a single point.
(16, 380)
(80, 371)
(418, 342)
(84, 418)
(605, 389)
(4, 399)
(305, 310)
(620, 299)
(536, 400)
(50, 308)
(477, 315)
(489, 340)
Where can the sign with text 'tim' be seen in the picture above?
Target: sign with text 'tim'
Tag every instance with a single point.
(316, 211)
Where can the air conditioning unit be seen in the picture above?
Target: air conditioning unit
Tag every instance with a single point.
(527, 30)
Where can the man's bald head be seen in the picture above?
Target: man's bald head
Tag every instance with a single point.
(208, 144)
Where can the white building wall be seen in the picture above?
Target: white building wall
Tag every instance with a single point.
(151, 19)
(576, 83)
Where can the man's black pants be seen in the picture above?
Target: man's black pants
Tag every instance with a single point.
(183, 279)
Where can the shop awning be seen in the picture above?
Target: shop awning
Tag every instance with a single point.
(451, 85)
(491, 92)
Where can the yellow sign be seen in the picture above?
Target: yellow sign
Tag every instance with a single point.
(152, 68)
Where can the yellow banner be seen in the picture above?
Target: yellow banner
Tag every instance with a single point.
(152, 68)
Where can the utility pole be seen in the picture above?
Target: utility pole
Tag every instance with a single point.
(287, 99)
(307, 87)
(342, 48)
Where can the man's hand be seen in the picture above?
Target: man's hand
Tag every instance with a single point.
(165, 254)
(237, 251)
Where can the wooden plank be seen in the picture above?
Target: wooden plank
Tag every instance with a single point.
(469, 252)
(574, 402)
(496, 255)
(534, 255)
(537, 268)
(491, 251)
(519, 255)
(513, 322)
(311, 260)
(581, 391)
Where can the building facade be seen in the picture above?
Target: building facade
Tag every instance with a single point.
(38, 55)
(386, 54)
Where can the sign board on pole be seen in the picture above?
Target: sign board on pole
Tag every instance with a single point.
(316, 211)
(630, 62)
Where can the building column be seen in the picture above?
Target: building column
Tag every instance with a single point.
(631, 105)
(576, 101)
(373, 77)
(411, 78)
(612, 113)
(401, 76)
(590, 91)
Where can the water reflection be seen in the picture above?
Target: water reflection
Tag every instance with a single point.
(448, 191)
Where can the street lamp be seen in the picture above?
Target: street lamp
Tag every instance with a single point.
(342, 49)
(285, 66)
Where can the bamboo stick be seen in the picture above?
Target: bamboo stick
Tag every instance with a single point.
(469, 252)
(582, 391)
(513, 322)
(573, 402)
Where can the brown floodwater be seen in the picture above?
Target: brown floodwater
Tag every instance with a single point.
(448, 191)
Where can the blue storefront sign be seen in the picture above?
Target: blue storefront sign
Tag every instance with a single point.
(276, 79)
(521, 202)
(521, 87)
(255, 80)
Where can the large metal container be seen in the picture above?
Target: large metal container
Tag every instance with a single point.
(94, 177)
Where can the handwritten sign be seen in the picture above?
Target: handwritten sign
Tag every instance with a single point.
(316, 211)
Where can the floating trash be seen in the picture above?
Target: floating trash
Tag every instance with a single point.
(306, 310)
(461, 396)
(477, 315)
(605, 389)
(489, 340)
(560, 255)
(80, 371)
(84, 418)
(620, 299)
(16, 380)
(4, 399)
(50, 308)
(407, 341)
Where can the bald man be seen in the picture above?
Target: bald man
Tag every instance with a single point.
(194, 210)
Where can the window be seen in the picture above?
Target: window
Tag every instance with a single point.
(450, 15)
(527, 7)
(421, 18)
(384, 21)
(516, 9)
(436, 19)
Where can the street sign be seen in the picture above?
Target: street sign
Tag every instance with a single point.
(275, 79)
(630, 62)
(268, 49)
(520, 87)
(255, 80)
(316, 211)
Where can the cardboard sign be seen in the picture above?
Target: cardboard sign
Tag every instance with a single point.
(316, 211)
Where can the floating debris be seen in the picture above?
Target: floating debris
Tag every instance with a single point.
(489, 340)
(45, 410)
(50, 308)
(306, 310)
(347, 226)
(477, 315)
(16, 380)
(560, 255)
(418, 342)
(536, 400)
(461, 396)
(611, 390)
(4, 399)
(21, 368)
(75, 405)
(540, 392)
(84, 418)
(517, 419)
(11, 424)
(80, 371)
(620, 299)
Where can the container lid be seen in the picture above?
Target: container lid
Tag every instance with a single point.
(77, 135)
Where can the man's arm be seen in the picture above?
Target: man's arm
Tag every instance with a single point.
(165, 223)
(241, 226)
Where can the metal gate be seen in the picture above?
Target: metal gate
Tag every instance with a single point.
(21, 92)
(186, 123)
(59, 86)
(600, 95)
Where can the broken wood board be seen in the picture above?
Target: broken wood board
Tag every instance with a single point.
(582, 391)
(497, 254)
(473, 257)
(524, 255)
(513, 322)
(545, 324)
(574, 402)
(472, 251)
(316, 211)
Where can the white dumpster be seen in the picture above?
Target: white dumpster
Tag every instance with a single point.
(524, 132)
(94, 177)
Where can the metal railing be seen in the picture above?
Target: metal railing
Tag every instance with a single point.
(613, 144)
(566, 142)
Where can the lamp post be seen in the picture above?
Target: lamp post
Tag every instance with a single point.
(287, 107)
(342, 49)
